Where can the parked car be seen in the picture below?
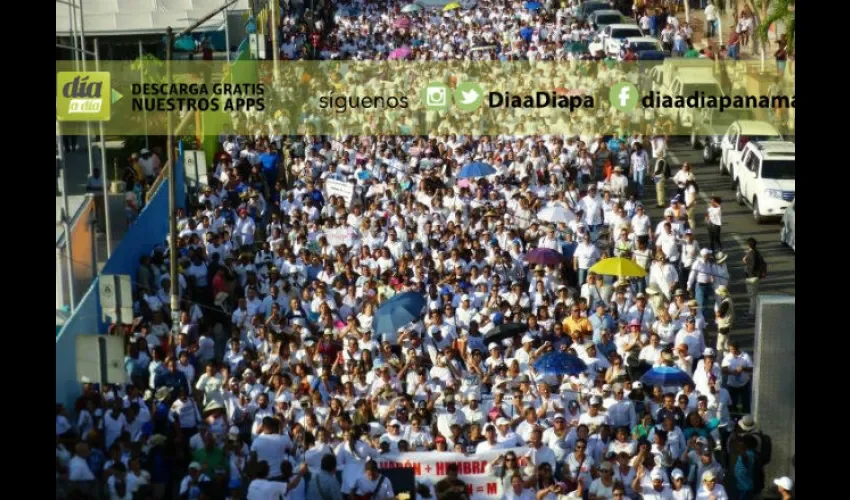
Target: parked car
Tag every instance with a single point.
(764, 178)
(613, 36)
(739, 133)
(602, 18)
(587, 8)
(788, 235)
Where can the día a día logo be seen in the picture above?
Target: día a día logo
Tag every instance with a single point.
(83, 96)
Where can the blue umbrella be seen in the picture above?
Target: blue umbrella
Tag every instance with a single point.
(526, 33)
(532, 5)
(559, 363)
(666, 376)
(399, 311)
(476, 169)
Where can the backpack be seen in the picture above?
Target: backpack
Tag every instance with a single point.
(766, 446)
(758, 474)
(762, 267)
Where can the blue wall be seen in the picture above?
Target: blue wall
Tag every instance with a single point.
(150, 229)
(84, 321)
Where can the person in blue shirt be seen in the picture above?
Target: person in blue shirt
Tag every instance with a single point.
(173, 378)
(745, 468)
(315, 195)
(606, 345)
(601, 321)
(270, 160)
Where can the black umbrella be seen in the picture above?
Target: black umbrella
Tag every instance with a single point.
(505, 331)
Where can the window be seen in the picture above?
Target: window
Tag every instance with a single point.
(778, 169)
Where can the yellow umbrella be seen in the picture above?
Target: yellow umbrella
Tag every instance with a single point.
(451, 6)
(618, 266)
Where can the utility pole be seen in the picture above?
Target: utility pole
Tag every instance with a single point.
(275, 50)
(172, 199)
(104, 172)
(172, 167)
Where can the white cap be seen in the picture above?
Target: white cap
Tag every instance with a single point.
(527, 338)
(676, 474)
(234, 431)
(656, 474)
(668, 211)
(637, 385)
(395, 422)
(705, 251)
(708, 351)
(785, 483)
(464, 297)
(492, 346)
(502, 421)
(606, 387)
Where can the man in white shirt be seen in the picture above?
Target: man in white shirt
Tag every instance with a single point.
(78, 468)
(373, 484)
(271, 446)
(737, 366)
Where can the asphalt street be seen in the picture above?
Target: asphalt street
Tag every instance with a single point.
(738, 225)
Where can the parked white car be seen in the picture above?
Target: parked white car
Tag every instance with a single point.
(736, 138)
(613, 36)
(764, 178)
(788, 233)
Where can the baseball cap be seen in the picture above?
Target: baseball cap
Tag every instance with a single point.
(708, 352)
(559, 416)
(656, 474)
(708, 475)
(492, 346)
(464, 297)
(527, 338)
(637, 385)
(195, 465)
(676, 474)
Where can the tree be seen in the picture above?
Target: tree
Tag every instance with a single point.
(783, 13)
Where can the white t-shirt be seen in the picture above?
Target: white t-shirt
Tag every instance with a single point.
(263, 489)
(79, 470)
(600, 490)
(271, 448)
(366, 486)
(743, 360)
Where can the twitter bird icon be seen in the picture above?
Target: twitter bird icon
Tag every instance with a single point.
(468, 96)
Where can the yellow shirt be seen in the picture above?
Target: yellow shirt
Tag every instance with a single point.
(582, 325)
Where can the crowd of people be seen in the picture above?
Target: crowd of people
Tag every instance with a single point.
(281, 380)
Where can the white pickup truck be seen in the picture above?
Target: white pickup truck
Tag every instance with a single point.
(764, 178)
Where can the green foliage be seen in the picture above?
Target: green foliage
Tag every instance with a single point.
(151, 68)
(782, 11)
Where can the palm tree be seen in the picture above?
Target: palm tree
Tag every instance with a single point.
(767, 12)
(783, 12)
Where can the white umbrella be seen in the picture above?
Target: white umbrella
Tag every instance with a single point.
(556, 215)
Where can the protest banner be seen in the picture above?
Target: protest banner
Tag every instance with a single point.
(341, 236)
(344, 189)
(430, 467)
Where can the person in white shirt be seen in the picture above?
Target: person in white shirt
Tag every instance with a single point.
(271, 446)
(710, 488)
(640, 163)
(714, 220)
(373, 484)
(585, 256)
(518, 491)
(491, 442)
(78, 467)
(738, 368)
(710, 19)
